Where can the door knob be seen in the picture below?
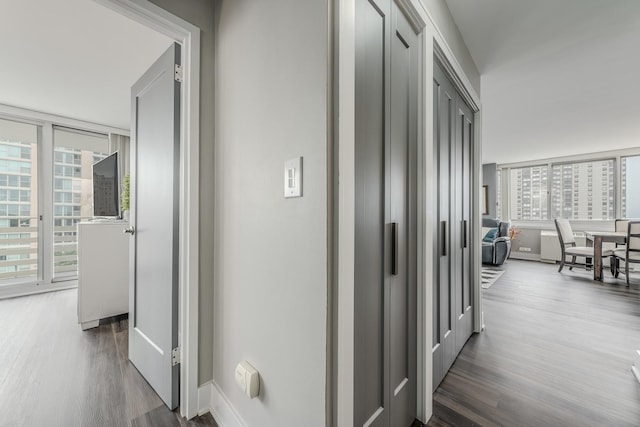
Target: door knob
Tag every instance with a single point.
(130, 230)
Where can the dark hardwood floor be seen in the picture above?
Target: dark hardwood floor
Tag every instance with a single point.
(54, 374)
(557, 350)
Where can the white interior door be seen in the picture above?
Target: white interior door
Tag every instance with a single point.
(153, 290)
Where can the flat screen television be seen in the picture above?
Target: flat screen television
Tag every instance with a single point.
(106, 187)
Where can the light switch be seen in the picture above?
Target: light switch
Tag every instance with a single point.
(293, 178)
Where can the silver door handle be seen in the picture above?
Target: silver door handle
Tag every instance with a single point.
(130, 230)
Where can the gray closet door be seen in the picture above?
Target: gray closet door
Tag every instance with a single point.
(464, 283)
(387, 61)
(452, 291)
(443, 339)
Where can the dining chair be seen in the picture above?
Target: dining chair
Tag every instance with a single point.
(569, 248)
(631, 253)
(620, 226)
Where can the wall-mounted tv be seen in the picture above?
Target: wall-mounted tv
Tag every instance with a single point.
(106, 187)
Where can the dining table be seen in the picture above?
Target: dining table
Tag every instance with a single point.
(595, 239)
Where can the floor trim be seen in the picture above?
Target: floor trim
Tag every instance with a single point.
(212, 399)
(636, 366)
(204, 398)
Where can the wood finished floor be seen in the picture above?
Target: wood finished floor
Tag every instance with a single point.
(54, 374)
(557, 351)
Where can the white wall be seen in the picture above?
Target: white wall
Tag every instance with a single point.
(270, 293)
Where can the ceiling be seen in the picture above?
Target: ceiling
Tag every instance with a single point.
(557, 77)
(73, 58)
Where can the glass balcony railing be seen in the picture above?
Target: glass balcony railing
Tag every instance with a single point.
(19, 248)
(65, 248)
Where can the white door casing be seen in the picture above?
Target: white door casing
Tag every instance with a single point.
(188, 35)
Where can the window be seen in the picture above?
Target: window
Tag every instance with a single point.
(18, 146)
(528, 198)
(584, 190)
(630, 186)
(74, 154)
(498, 194)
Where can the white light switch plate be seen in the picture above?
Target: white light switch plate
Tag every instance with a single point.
(293, 178)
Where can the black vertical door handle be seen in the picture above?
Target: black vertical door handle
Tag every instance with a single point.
(464, 233)
(443, 234)
(394, 248)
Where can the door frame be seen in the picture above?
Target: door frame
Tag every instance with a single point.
(188, 35)
(342, 337)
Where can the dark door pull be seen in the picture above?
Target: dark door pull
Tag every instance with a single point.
(464, 233)
(394, 248)
(443, 236)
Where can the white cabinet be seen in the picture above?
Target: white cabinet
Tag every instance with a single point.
(103, 271)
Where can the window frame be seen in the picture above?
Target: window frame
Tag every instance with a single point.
(45, 123)
(506, 184)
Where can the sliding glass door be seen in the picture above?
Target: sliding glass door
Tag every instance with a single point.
(74, 153)
(45, 190)
(19, 224)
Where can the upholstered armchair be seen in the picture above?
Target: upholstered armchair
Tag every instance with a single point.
(496, 243)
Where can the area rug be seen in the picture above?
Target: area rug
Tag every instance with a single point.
(489, 276)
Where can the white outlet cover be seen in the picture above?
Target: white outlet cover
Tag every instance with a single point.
(248, 379)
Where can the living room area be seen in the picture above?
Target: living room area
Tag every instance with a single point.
(560, 192)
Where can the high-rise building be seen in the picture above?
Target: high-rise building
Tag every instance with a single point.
(583, 190)
(529, 193)
(20, 223)
(18, 208)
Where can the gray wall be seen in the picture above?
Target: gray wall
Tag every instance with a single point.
(267, 301)
(440, 13)
(489, 179)
(270, 297)
(201, 14)
(526, 238)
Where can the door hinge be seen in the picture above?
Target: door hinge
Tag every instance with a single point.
(175, 356)
(179, 73)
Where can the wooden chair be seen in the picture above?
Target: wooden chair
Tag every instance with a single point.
(569, 248)
(631, 253)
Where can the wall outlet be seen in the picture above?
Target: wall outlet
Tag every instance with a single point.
(248, 379)
(524, 249)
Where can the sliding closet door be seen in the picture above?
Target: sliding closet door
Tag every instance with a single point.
(452, 309)
(444, 344)
(464, 285)
(370, 267)
(387, 61)
(402, 178)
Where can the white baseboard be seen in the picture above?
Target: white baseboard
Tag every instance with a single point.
(636, 366)
(204, 398)
(528, 256)
(212, 399)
